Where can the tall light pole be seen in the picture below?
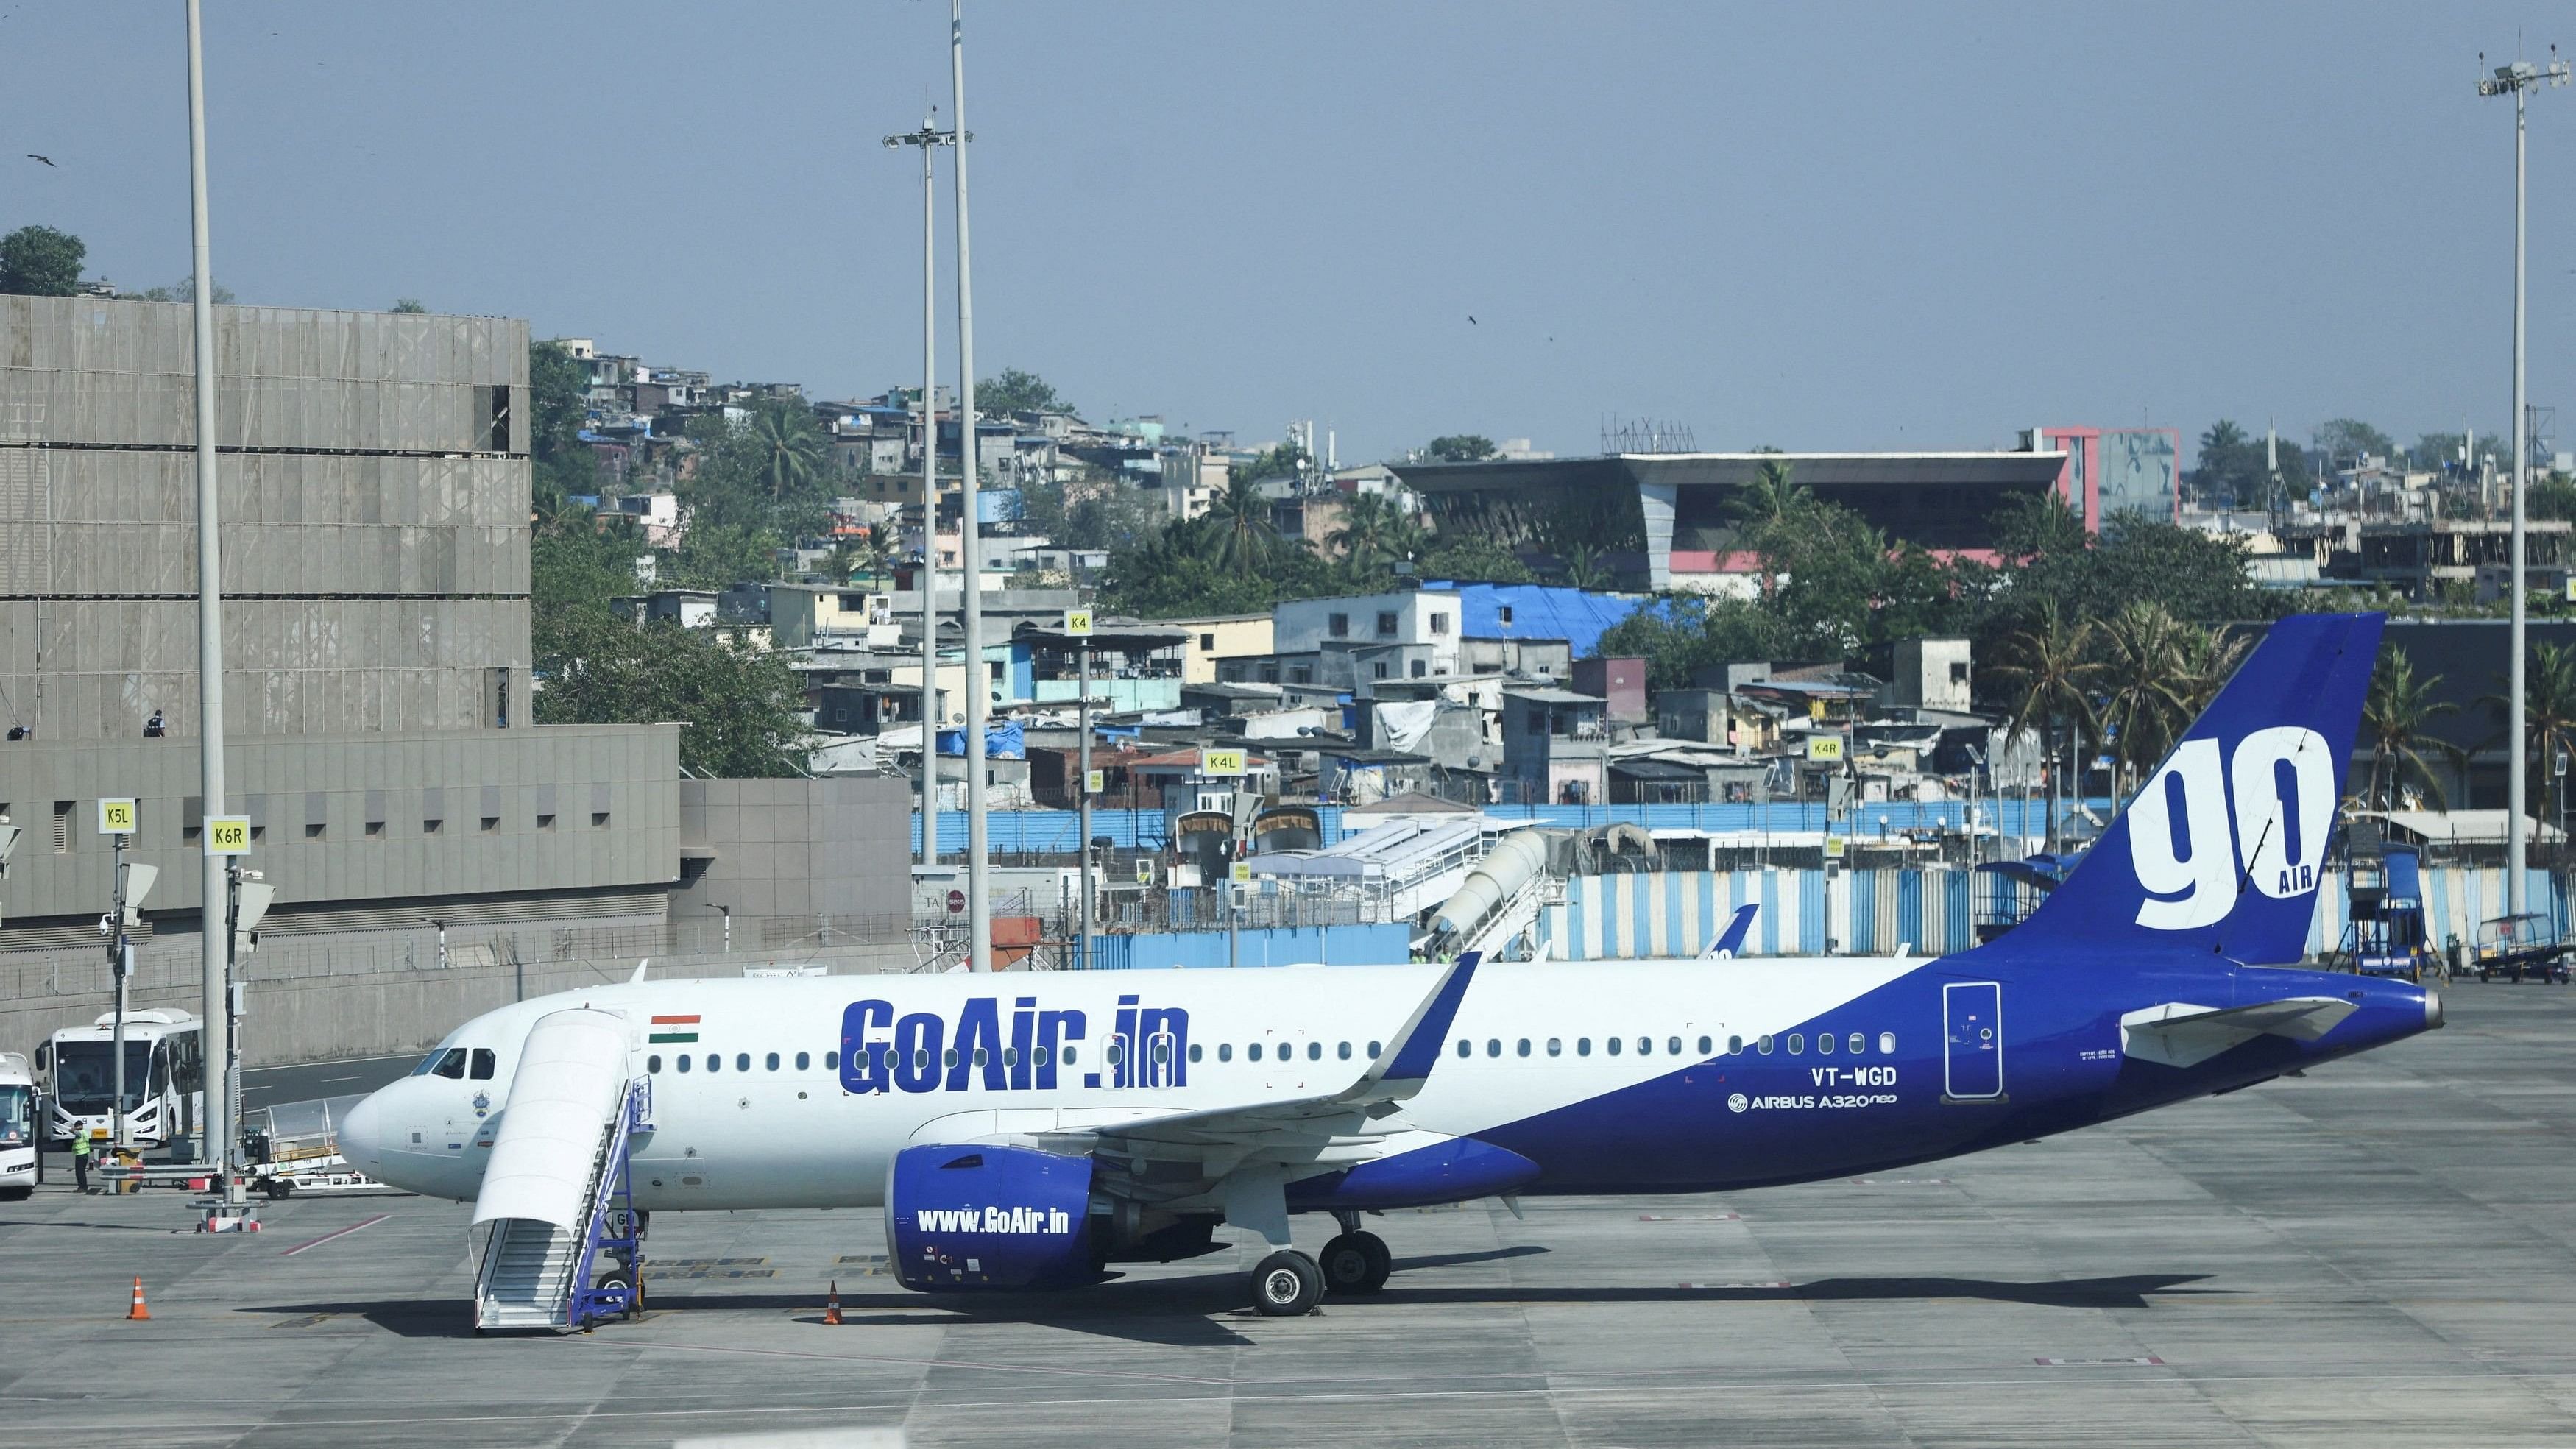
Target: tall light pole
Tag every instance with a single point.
(970, 547)
(2515, 80)
(927, 137)
(215, 934)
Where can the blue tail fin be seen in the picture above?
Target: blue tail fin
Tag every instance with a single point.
(2224, 849)
(1730, 942)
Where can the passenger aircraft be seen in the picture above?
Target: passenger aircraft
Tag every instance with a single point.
(1027, 1130)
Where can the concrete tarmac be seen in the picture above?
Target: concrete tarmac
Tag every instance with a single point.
(2380, 1253)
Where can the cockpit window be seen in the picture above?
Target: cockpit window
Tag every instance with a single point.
(484, 1062)
(451, 1063)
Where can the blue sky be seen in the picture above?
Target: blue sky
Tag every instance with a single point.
(1817, 227)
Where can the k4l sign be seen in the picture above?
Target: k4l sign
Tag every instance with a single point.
(1825, 749)
(227, 835)
(1220, 762)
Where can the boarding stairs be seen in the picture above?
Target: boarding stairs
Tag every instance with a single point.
(557, 1203)
(1513, 917)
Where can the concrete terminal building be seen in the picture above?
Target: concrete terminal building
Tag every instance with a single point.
(375, 540)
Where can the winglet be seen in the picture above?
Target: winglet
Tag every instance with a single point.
(639, 970)
(1400, 1070)
(1730, 942)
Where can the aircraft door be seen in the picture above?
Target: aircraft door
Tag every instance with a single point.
(1162, 1059)
(1972, 1044)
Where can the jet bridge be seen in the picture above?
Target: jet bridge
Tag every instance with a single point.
(557, 1196)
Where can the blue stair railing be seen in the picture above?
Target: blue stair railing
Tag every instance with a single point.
(612, 1225)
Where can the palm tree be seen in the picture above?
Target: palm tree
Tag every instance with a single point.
(1773, 497)
(2147, 702)
(788, 446)
(2048, 671)
(2549, 708)
(1361, 538)
(1242, 517)
(2396, 719)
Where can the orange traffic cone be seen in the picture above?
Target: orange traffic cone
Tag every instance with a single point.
(831, 1304)
(138, 1312)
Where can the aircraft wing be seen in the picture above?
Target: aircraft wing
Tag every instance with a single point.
(1187, 1154)
(2179, 1034)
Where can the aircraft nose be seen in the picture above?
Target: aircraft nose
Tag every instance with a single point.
(361, 1132)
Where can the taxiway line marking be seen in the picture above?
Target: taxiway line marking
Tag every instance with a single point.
(342, 1233)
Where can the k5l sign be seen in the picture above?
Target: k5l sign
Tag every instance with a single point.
(2212, 817)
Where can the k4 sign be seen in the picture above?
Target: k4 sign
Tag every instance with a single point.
(1077, 622)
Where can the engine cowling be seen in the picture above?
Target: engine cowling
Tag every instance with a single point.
(969, 1218)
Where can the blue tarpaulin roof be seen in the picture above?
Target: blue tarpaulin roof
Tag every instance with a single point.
(1539, 611)
(1001, 742)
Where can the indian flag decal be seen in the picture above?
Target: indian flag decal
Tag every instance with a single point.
(673, 1028)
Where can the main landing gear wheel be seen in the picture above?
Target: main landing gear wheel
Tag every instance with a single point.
(1287, 1283)
(1356, 1263)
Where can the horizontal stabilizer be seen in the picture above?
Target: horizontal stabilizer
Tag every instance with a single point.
(2179, 1034)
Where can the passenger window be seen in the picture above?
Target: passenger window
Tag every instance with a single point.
(1225, 1051)
(1887, 1043)
(1583, 1046)
(1314, 1051)
(653, 1066)
(1343, 1051)
(1162, 1052)
(948, 1058)
(1645, 1046)
(1493, 1046)
(1524, 1046)
(684, 1061)
(1465, 1047)
(450, 1065)
(484, 1064)
(1195, 1050)
(1825, 1043)
(742, 1061)
(1116, 1053)
(772, 1063)
(1039, 1056)
(1675, 1045)
(979, 1056)
(804, 1061)
(1555, 1046)
(1797, 1042)
(1373, 1051)
(1613, 1044)
(1764, 1046)
(1734, 1044)
(1010, 1056)
(1069, 1055)
(1252, 1052)
(1858, 1043)
(921, 1059)
(714, 1063)
(831, 1061)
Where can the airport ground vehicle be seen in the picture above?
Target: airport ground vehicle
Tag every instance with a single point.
(2524, 947)
(2388, 935)
(17, 1126)
(294, 1147)
(165, 1077)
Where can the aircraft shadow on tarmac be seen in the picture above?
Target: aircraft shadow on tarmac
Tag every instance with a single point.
(1194, 1311)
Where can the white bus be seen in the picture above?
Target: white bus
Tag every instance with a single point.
(165, 1078)
(17, 1127)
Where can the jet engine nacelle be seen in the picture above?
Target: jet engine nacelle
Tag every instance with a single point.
(962, 1218)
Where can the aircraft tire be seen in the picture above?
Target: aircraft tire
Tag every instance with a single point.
(1355, 1263)
(1286, 1284)
(16, 1194)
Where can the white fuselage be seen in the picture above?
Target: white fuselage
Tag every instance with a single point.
(759, 1120)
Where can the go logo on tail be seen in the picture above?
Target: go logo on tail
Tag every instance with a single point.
(2190, 848)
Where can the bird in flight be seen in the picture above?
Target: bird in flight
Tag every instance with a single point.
(1471, 320)
(48, 160)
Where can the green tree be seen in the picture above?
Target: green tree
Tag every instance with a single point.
(1774, 498)
(576, 568)
(720, 555)
(1677, 637)
(2342, 441)
(1473, 558)
(741, 706)
(2147, 684)
(2396, 721)
(2549, 710)
(788, 447)
(184, 290)
(1016, 391)
(1458, 448)
(38, 261)
(410, 304)
(2034, 525)
(2046, 680)
(558, 405)
(1241, 516)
